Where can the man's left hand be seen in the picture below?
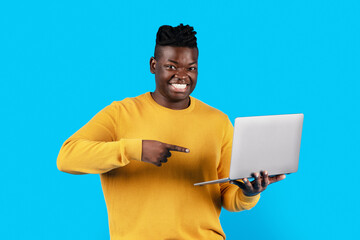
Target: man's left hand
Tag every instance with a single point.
(259, 184)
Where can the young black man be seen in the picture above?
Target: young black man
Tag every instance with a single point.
(149, 151)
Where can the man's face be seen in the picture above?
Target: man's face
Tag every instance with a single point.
(175, 72)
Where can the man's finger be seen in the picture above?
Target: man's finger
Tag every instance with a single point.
(257, 182)
(177, 148)
(168, 154)
(265, 179)
(248, 186)
(276, 178)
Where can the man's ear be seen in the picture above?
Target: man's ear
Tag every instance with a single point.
(152, 65)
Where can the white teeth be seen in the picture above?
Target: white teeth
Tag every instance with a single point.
(180, 86)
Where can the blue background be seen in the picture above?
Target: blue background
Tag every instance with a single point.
(63, 61)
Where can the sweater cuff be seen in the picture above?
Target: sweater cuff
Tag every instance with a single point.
(131, 149)
(248, 199)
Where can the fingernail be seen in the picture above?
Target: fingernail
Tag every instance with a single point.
(187, 150)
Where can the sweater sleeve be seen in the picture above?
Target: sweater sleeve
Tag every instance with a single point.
(94, 148)
(232, 196)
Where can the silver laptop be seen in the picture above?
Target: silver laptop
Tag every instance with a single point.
(270, 143)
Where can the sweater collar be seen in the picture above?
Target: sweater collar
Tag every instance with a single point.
(150, 99)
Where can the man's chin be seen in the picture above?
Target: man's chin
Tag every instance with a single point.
(178, 96)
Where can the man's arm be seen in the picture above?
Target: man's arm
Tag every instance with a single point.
(95, 149)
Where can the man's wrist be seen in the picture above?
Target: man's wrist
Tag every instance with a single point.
(250, 194)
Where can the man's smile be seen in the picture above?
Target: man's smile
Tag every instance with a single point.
(179, 87)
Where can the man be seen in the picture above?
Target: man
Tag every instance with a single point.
(152, 148)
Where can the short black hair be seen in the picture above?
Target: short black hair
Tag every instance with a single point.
(179, 36)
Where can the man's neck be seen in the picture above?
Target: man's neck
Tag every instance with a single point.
(161, 100)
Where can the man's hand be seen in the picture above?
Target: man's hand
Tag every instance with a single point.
(156, 152)
(259, 184)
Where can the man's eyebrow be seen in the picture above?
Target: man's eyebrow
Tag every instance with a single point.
(172, 61)
(178, 63)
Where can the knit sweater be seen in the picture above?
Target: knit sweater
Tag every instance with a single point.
(149, 202)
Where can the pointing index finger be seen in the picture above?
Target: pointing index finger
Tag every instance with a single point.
(171, 147)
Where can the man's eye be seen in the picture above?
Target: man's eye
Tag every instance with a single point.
(192, 68)
(171, 67)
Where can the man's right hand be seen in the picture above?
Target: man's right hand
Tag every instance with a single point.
(156, 152)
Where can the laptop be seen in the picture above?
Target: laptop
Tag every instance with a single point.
(270, 143)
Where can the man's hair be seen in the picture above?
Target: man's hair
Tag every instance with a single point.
(179, 36)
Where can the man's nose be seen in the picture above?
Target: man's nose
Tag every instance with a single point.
(181, 74)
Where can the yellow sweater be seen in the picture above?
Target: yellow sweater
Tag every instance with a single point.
(149, 202)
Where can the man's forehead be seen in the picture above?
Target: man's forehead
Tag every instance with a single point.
(173, 61)
(178, 53)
